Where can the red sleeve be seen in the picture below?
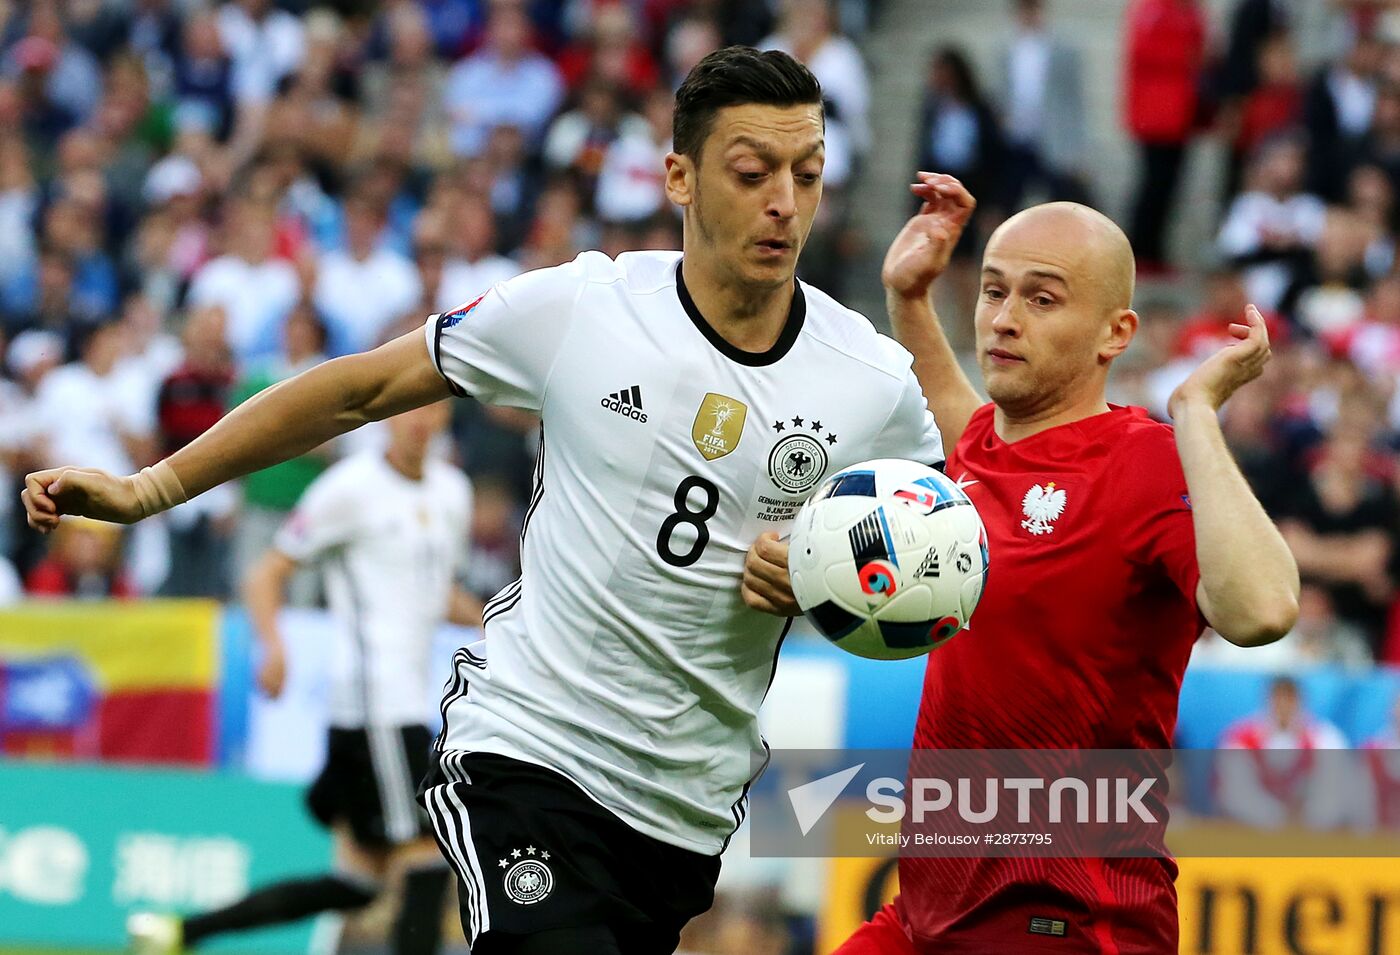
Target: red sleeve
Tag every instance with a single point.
(1390, 646)
(574, 63)
(1157, 528)
(47, 579)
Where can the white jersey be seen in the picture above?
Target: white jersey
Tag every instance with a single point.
(624, 656)
(389, 548)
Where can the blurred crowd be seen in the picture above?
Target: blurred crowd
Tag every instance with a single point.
(1306, 230)
(199, 199)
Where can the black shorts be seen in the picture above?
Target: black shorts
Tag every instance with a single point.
(534, 853)
(369, 781)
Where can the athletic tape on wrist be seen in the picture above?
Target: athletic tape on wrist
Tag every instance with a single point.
(158, 489)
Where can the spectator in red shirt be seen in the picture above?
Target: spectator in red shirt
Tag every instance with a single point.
(1208, 330)
(1273, 106)
(1165, 47)
(614, 53)
(83, 563)
(195, 394)
(190, 400)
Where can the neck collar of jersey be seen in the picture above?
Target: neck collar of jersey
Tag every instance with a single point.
(797, 314)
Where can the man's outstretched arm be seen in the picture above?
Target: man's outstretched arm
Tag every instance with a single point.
(1249, 581)
(283, 422)
(916, 258)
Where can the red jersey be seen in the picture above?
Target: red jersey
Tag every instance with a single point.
(1165, 46)
(1383, 763)
(1079, 642)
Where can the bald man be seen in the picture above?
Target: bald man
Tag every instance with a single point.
(1114, 539)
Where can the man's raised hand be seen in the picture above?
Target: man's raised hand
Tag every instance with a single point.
(921, 251)
(1230, 368)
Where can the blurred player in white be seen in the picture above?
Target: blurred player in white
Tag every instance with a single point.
(388, 531)
(592, 772)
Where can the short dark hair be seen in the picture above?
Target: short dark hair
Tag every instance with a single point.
(734, 76)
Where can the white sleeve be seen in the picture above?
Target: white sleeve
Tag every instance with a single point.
(46, 408)
(501, 347)
(1242, 795)
(1239, 233)
(910, 431)
(1310, 218)
(323, 519)
(135, 407)
(1328, 802)
(11, 590)
(409, 288)
(206, 286)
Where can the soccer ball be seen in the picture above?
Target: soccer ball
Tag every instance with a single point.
(888, 559)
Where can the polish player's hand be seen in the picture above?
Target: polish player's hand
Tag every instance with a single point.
(1225, 372)
(272, 671)
(767, 586)
(82, 492)
(921, 251)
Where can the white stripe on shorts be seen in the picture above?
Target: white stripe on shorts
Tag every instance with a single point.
(454, 833)
(396, 784)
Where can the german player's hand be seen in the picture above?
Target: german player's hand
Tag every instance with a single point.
(82, 492)
(1230, 368)
(272, 671)
(923, 248)
(767, 586)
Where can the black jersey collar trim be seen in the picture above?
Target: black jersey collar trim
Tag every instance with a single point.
(797, 314)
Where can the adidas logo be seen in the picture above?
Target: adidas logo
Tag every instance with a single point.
(627, 402)
(929, 568)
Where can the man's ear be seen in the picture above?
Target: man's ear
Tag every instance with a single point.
(1121, 329)
(680, 179)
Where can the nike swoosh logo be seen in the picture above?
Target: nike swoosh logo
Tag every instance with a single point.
(964, 482)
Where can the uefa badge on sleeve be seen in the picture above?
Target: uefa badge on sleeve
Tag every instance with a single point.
(450, 319)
